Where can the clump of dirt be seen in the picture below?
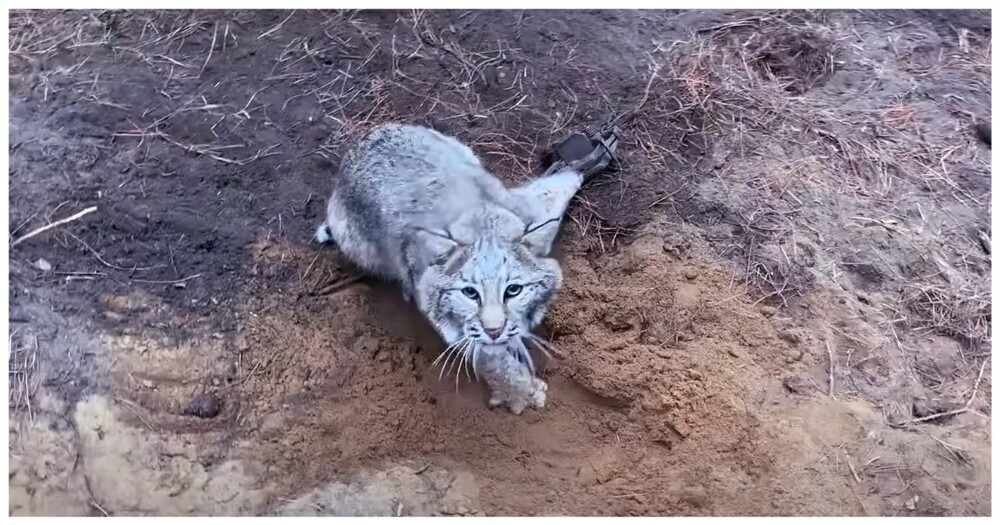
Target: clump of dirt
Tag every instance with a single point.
(763, 309)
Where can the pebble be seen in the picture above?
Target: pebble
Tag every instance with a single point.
(690, 274)
(793, 356)
(205, 406)
(792, 336)
(768, 311)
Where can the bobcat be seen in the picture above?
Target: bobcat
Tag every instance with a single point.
(417, 207)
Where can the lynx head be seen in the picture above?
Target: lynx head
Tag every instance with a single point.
(491, 279)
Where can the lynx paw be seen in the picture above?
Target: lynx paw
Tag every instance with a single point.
(539, 396)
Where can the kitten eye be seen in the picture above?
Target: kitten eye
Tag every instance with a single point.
(471, 293)
(513, 290)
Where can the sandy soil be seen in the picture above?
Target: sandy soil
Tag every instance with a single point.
(778, 305)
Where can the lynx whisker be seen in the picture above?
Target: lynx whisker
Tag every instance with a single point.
(446, 355)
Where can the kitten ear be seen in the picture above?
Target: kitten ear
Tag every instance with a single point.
(437, 243)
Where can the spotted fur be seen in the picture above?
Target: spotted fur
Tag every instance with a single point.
(417, 207)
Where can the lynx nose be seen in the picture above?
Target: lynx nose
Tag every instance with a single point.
(495, 333)
(494, 320)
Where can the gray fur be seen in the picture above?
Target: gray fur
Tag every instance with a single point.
(511, 383)
(417, 207)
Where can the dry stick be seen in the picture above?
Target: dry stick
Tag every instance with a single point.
(829, 351)
(48, 227)
(93, 503)
(175, 281)
(131, 408)
(215, 32)
(968, 404)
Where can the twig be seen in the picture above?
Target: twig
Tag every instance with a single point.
(829, 351)
(100, 509)
(215, 33)
(48, 227)
(106, 263)
(175, 281)
(964, 409)
(854, 473)
(129, 405)
(310, 267)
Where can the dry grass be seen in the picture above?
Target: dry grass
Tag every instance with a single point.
(960, 310)
(21, 368)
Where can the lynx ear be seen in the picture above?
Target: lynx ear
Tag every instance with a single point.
(438, 244)
(538, 238)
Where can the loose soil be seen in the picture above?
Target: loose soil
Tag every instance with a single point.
(777, 305)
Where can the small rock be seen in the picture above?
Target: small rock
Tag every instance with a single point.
(791, 336)
(675, 244)
(768, 311)
(43, 265)
(911, 504)
(695, 496)
(205, 406)
(680, 427)
(796, 385)
(694, 374)
(690, 274)
(793, 356)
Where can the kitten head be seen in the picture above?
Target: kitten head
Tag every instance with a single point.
(491, 279)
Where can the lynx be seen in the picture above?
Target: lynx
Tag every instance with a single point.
(417, 207)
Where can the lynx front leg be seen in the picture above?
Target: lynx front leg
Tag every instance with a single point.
(543, 203)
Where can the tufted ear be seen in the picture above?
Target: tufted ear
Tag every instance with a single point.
(437, 244)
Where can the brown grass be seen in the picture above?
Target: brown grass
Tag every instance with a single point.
(960, 310)
(21, 368)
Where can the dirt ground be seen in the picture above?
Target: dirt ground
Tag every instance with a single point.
(779, 304)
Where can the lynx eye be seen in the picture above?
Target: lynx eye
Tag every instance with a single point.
(471, 293)
(513, 291)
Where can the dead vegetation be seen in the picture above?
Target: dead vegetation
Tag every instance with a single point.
(21, 367)
(960, 310)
